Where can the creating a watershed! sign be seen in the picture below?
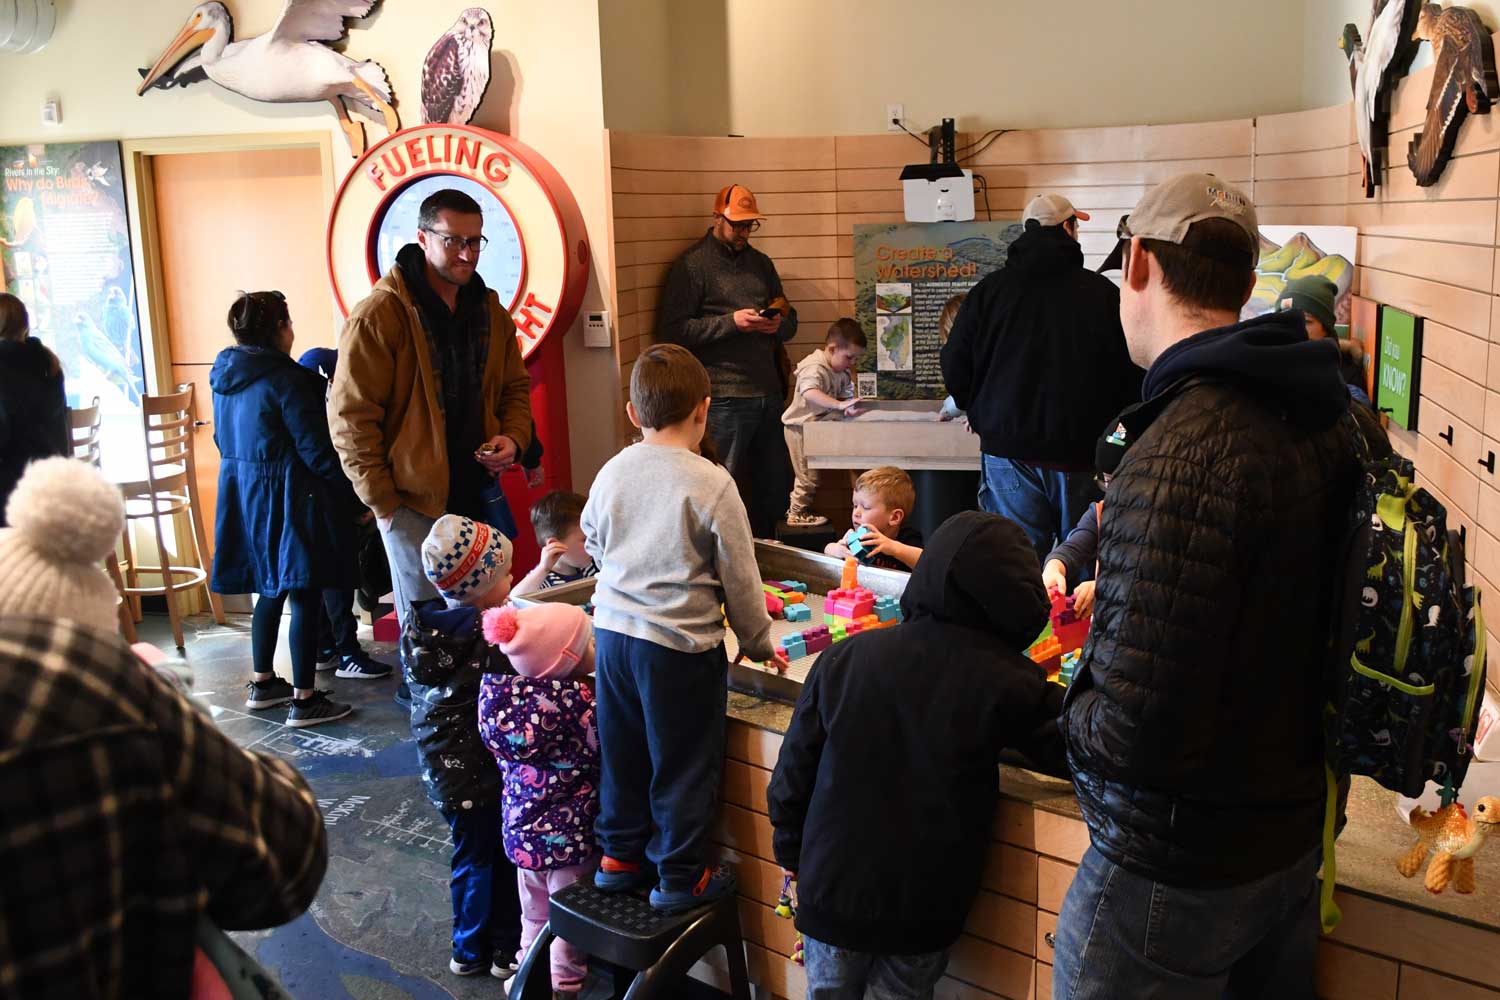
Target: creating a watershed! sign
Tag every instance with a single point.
(904, 273)
(1399, 372)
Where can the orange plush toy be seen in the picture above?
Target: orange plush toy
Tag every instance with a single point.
(1456, 837)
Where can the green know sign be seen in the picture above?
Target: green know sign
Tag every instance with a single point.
(1398, 382)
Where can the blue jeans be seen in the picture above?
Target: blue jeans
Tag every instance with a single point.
(746, 431)
(1121, 935)
(840, 974)
(486, 899)
(661, 749)
(1045, 503)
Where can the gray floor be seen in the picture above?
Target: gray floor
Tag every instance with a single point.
(379, 928)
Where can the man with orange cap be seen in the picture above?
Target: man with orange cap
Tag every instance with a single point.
(723, 301)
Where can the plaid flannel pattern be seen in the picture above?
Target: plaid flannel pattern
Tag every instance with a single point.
(125, 815)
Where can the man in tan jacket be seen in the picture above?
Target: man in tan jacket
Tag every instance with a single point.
(430, 400)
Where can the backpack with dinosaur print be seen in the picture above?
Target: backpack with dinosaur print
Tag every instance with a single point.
(1408, 647)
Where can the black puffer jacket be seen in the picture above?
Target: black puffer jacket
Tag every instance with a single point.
(1037, 357)
(1193, 726)
(892, 754)
(33, 411)
(445, 658)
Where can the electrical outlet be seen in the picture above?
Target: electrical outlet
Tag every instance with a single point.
(894, 113)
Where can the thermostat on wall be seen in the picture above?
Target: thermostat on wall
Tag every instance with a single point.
(596, 329)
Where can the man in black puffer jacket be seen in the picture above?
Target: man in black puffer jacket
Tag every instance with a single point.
(1038, 361)
(1193, 727)
(885, 791)
(33, 410)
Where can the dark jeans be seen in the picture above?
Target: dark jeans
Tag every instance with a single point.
(265, 631)
(661, 743)
(337, 629)
(1121, 935)
(1045, 503)
(840, 974)
(747, 433)
(486, 900)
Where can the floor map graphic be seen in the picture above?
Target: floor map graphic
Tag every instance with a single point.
(904, 273)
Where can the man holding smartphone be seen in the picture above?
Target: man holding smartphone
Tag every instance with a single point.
(723, 301)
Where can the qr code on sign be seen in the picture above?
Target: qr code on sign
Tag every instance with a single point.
(867, 381)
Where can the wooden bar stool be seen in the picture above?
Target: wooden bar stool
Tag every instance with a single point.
(170, 488)
(83, 436)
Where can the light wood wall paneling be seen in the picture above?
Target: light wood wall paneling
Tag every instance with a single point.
(1302, 131)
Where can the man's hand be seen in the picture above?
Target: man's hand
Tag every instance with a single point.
(535, 477)
(1055, 576)
(551, 553)
(1083, 599)
(497, 454)
(751, 321)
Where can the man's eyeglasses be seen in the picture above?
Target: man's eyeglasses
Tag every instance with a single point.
(453, 244)
(742, 227)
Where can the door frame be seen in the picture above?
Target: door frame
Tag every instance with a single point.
(140, 202)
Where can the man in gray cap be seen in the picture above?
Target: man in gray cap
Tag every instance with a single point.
(1194, 722)
(1037, 359)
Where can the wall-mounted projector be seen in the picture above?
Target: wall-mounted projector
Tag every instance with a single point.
(939, 190)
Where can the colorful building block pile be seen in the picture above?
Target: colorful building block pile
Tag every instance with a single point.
(782, 596)
(853, 603)
(1064, 637)
(1067, 667)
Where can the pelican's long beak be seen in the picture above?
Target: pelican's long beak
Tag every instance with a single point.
(186, 41)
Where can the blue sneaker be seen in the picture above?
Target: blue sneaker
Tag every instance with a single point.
(713, 884)
(615, 875)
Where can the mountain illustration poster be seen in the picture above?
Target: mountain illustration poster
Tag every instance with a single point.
(1291, 252)
(904, 273)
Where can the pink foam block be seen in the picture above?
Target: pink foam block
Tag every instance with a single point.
(774, 604)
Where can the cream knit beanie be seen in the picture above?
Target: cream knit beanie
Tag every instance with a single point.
(64, 519)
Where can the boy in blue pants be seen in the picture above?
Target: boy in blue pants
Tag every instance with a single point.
(671, 537)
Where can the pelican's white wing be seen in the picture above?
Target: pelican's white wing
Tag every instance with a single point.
(1380, 49)
(316, 20)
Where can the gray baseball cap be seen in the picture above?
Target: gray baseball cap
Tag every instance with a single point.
(1169, 209)
(1051, 210)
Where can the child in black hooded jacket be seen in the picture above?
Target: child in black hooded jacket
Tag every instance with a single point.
(892, 759)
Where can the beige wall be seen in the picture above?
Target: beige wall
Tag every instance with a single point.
(550, 49)
(791, 67)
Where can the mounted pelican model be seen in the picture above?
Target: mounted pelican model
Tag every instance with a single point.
(1374, 66)
(287, 65)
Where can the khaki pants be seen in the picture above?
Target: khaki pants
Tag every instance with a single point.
(805, 483)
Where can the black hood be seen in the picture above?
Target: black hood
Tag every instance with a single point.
(1044, 250)
(237, 368)
(30, 356)
(1271, 354)
(413, 264)
(981, 571)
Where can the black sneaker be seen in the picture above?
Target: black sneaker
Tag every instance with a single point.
(361, 668)
(315, 710)
(267, 694)
(402, 696)
(328, 659)
(503, 965)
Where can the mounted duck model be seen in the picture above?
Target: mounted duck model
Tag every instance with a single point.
(290, 64)
(1375, 64)
(1463, 83)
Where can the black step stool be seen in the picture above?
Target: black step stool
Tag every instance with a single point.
(623, 929)
(809, 538)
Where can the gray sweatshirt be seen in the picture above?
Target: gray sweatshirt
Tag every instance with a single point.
(670, 536)
(814, 372)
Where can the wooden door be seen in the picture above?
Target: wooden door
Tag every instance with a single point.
(226, 222)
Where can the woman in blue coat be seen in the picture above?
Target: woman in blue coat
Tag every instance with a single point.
(286, 513)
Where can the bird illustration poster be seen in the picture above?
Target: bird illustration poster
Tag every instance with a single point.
(1376, 62)
(65, 252)
(1463, 84)
(456, 72)
(904, 274)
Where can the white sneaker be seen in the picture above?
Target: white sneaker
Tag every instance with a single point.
(805, 519)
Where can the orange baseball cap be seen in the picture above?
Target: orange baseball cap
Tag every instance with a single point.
(737, 204)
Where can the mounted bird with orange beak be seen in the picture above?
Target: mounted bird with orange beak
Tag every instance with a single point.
(290, 64)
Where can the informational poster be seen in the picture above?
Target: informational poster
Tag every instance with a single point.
(65, 253)
(1291, 252)
(1364, 327)
(1400, 372)
(904, 273)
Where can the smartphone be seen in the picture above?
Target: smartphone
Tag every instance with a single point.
(769, 313)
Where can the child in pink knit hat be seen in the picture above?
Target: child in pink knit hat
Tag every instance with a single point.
(540, 726)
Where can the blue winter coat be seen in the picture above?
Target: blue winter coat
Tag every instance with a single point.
(286, 513)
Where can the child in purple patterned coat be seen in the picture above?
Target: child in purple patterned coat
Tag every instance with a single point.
(540, 727)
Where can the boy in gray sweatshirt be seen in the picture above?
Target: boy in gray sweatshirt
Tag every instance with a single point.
(672, 541)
